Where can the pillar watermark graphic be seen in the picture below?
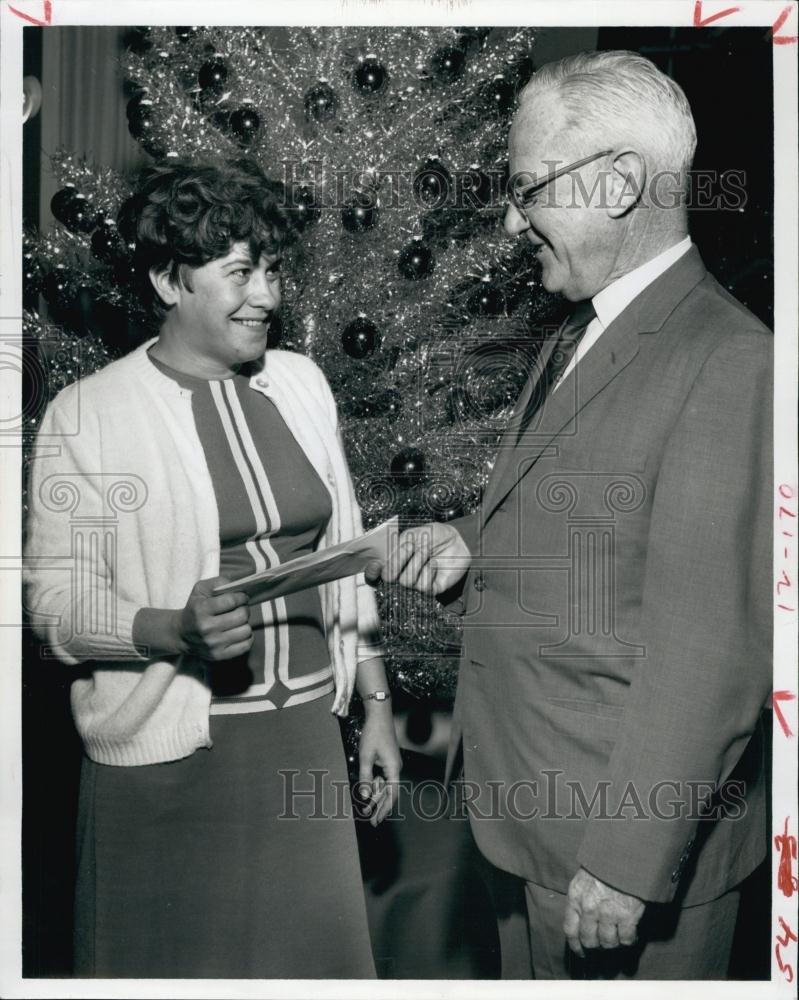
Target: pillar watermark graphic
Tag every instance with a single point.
(92, 505)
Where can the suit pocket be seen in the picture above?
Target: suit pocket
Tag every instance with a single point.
(586, 719)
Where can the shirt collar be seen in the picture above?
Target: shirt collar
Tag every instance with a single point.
(613, 300)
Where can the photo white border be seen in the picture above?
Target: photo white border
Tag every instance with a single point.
(537, 13)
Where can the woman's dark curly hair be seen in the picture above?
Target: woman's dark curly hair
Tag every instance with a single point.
(188, 213)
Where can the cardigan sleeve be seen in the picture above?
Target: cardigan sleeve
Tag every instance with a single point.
(69, 565)
(369, 636)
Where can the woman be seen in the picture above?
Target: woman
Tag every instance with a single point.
(212, 834)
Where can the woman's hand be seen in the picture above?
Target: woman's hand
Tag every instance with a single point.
(378, 747)
(214, 628)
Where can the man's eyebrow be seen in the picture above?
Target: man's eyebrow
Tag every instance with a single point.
(239, 260)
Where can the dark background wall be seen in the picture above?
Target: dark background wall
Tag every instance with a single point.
(726, 74)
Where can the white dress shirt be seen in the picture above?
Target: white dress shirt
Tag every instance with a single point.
(614, 299)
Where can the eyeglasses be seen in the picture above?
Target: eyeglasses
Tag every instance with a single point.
(523, 196)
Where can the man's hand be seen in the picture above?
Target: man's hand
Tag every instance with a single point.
(430, 559)
(598, 916)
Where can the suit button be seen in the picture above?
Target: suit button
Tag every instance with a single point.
(479, 582)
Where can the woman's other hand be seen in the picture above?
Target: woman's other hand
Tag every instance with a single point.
(215, 628)
(378, 748)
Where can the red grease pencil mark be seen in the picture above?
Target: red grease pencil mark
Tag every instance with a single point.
(782, 39)
(786, 880)
(786, 517)
(776, 698)
(48, 14)
(701, 22)
(785, 968)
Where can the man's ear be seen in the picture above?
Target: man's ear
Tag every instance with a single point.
(166, 289)
(627, 183)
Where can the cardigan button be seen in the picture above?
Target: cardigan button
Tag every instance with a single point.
(262, 382)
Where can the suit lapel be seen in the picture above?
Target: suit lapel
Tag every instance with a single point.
(510, 435)
(614, 350)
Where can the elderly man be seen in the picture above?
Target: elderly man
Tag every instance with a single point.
(616, 580)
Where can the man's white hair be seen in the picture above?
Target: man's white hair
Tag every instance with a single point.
(615, 98)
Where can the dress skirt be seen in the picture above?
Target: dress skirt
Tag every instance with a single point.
(218, 865)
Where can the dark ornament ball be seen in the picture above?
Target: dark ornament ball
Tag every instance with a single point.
(321, 103)
(153, 147)
(134, 105)
(415, 260)
(73, 210)
(448, 64)
(213, 76)
(501, 95)
(432, 184)
(359, 215)
(360, 338)
(140, 117)
(62, 200)
(486, 300)
(244, 124)
(106, 242)
(184, 32)
(304, 209)
(407, 467)
(370, 77)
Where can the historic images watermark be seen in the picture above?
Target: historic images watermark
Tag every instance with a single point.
(550, 796)
(435, 187)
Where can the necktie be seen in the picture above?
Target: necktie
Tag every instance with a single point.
(566, 344)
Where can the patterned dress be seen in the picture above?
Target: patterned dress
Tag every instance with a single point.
(239, 861)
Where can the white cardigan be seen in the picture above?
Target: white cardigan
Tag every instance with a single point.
(122, 515)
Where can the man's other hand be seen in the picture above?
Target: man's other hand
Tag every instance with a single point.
(598, 916)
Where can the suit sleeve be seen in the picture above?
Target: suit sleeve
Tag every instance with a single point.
(705, 620)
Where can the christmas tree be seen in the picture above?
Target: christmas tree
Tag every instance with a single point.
(390, 146)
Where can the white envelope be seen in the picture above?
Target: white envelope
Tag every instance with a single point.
(317, 568)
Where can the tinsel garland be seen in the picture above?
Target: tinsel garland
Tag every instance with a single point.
(405, 289)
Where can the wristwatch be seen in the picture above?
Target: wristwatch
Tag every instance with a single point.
(377, 696)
